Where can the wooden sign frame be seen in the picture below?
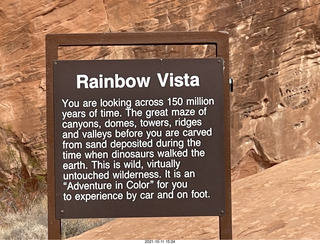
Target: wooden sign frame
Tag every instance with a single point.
(54, 41)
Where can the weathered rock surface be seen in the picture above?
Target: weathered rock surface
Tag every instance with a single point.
(282, 202)
(274, 61)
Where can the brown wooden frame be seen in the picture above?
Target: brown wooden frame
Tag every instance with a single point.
(54, 41)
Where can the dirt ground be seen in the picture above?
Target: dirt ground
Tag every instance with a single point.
(282, 202)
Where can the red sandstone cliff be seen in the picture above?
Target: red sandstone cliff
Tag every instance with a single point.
(274, 61)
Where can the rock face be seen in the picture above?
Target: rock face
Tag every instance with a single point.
(274, 62)
(280, 203)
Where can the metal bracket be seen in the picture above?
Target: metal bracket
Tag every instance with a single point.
(231, 84)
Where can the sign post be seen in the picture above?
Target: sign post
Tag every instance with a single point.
(138, 138)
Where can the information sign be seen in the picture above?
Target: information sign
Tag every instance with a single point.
(137, 138)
